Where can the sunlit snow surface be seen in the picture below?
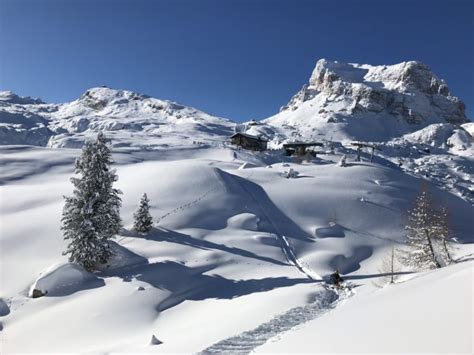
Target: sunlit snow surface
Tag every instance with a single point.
(234, 250)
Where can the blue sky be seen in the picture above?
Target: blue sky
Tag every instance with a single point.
(239, 59)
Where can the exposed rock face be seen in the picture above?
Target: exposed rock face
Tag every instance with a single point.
(37, 293)
(407, 90)
(382, 98)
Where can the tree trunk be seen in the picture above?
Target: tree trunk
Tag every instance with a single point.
(447, 251)
(428, 238)
(391, 267)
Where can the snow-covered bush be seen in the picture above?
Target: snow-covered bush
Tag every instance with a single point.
(91, 215)
(388, 269)
(143, 221)
(291, 174)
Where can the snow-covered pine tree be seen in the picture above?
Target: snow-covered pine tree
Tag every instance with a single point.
(421, 231)
(91, 216)
(443, 234)
(143, 221)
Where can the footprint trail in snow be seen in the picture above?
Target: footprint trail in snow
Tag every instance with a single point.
(248, 341)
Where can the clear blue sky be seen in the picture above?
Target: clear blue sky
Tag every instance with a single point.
(239, 59)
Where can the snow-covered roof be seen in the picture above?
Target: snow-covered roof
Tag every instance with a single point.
(249, 136)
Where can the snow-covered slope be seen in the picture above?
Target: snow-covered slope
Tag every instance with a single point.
(431, 313)
(225, 239)
(372, 103)
(131, 119)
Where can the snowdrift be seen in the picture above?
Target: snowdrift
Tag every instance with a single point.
(63, 279)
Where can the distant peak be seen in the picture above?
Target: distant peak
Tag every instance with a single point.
(105, 91)
(99, 97)
(12, 98)
(409, 74)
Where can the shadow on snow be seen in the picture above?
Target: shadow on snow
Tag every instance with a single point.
(190, 283)
(162, 234)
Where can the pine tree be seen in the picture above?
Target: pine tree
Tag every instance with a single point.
(143, 221)
(91, 215)
(421, 231)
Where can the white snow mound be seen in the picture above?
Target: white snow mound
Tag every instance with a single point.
(60, 278)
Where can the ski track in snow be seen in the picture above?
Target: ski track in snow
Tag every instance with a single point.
(302, 267)
(284, 242)
(187, 205)
(323, 302)
(248, 341)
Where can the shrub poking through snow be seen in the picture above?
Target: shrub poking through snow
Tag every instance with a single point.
(91, 215)
(427, 234)
(388, 269)
(342, 162)
(143, 221)
(291, 174)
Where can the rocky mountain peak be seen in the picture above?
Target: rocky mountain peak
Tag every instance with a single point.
(408, 92)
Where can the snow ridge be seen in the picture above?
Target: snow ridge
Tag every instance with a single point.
(130, 120)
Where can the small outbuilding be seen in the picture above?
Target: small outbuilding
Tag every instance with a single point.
(298, 148)
(248, 141)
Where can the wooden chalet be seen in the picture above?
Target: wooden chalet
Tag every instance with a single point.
(248, 141)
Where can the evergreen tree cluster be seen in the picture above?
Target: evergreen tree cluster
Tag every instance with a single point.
(91, 216)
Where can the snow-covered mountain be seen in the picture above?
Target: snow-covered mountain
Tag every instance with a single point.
(404, 108)
(340, 102)
(364, 102)
(231, 230)
(130, 119)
